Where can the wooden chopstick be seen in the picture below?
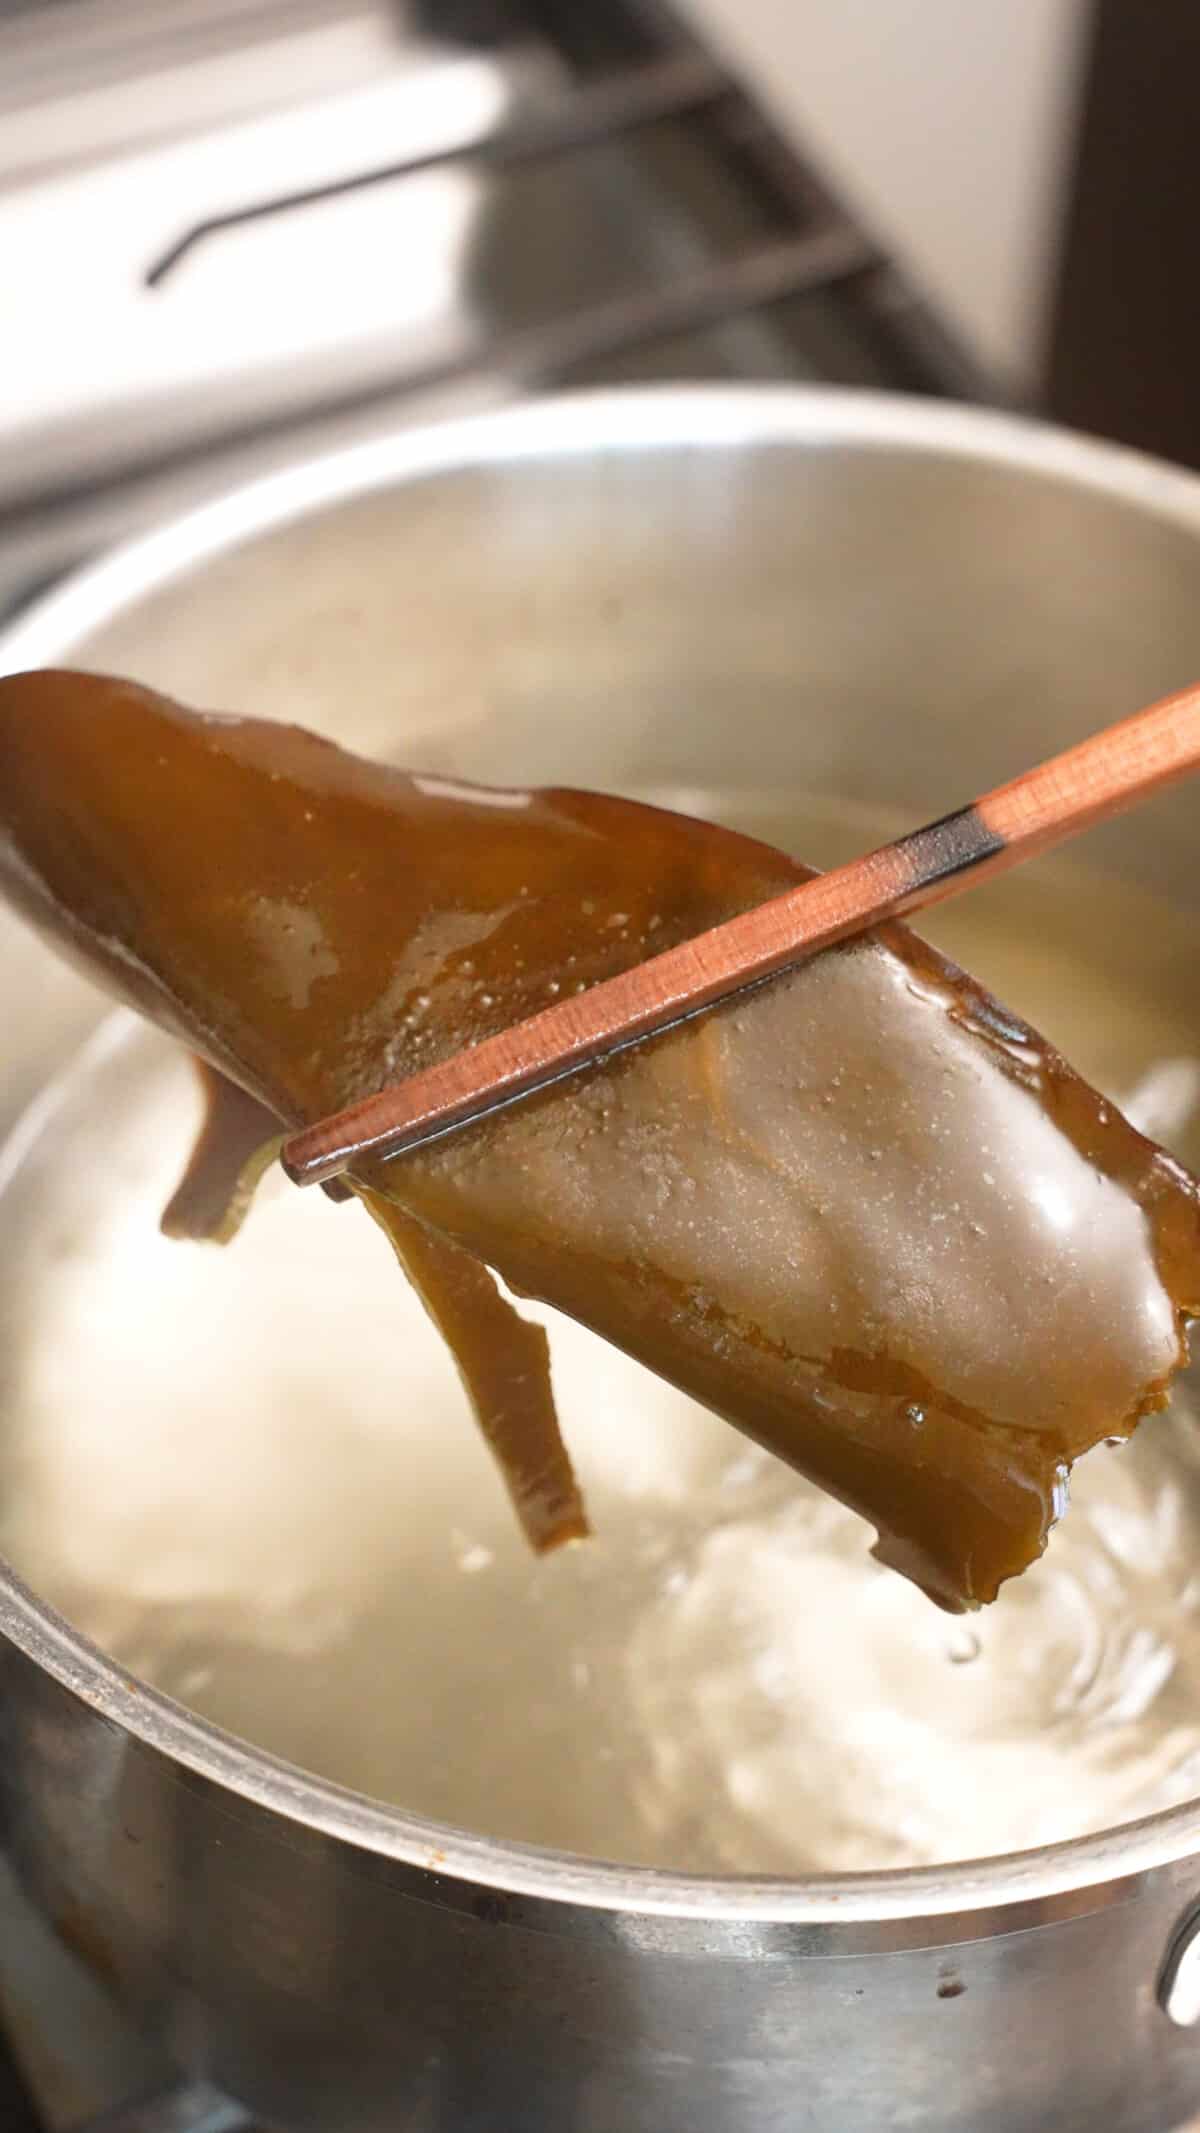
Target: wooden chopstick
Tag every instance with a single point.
(1111, 771)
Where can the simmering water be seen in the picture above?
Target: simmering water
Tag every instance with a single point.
(250, 1474)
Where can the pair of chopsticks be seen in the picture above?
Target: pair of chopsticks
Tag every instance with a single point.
(1101, 777)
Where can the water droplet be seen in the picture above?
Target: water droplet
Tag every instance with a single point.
(472, 1555)
(915, 1415)
(963, 1646)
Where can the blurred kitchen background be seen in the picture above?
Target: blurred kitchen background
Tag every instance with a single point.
(1031, 163)
(232, 229)
(236, 231)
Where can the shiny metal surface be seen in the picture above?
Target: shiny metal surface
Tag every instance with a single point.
(873, 597)
(1179, 1985)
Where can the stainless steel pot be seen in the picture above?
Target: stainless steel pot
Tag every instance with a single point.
(877, 597)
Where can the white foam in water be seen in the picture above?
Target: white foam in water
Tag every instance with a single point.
(250, 1474)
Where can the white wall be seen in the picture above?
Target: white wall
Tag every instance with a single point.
(949, 123)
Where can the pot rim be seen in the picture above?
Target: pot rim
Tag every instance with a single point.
(564, 426)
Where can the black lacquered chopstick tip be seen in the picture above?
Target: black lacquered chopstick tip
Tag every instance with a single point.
(951, 845)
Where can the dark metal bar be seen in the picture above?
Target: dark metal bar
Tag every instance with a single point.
(544, 356)
(766, 274)
(668, 88)
(909, 343)
(884, 308)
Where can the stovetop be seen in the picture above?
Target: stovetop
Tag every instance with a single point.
(234, 229)
(237, 230)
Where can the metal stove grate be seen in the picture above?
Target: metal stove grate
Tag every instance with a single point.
(637, 217)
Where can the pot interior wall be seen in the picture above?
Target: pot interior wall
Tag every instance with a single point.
(888, 624)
